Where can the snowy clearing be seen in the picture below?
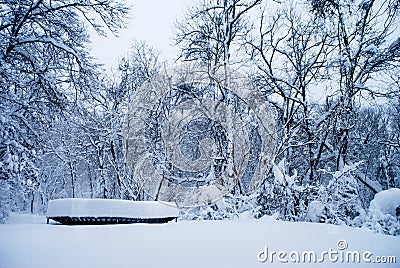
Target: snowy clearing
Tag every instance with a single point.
(26, 241)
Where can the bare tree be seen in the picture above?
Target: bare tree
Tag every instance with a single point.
(290, 54)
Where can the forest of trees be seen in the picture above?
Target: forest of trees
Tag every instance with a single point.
(329, 69)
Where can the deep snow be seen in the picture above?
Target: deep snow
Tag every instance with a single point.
(26, 241)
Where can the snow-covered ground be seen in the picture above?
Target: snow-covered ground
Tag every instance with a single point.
(26, 241)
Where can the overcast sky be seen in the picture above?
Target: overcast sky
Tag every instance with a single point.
(151, 21)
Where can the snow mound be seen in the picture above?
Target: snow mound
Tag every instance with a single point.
(387, 202)
(77, 207)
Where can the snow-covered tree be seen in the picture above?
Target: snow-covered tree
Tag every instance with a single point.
(365, 51)
(212, 30)
(346, 54)
(85, 149)
(42, 60)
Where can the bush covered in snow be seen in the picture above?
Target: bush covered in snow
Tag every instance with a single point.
(383, 215)
(387, 202)
(282, 195)
(338, 202)
(227, 207)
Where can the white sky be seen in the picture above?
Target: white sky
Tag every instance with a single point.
(151, 21)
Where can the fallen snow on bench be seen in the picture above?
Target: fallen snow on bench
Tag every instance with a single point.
(78, 207)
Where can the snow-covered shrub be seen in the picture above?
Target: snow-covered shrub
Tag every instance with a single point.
(339, 201)
(227, 207)
(282, 195)
(384, 213)
(387, 202)
(381, 223)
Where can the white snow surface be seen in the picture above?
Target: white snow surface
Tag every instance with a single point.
(386, 201)
(234, 243)
(80, 207)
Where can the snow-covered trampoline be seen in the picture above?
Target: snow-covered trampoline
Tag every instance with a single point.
(73, 211)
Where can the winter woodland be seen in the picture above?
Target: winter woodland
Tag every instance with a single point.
(329, 70)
